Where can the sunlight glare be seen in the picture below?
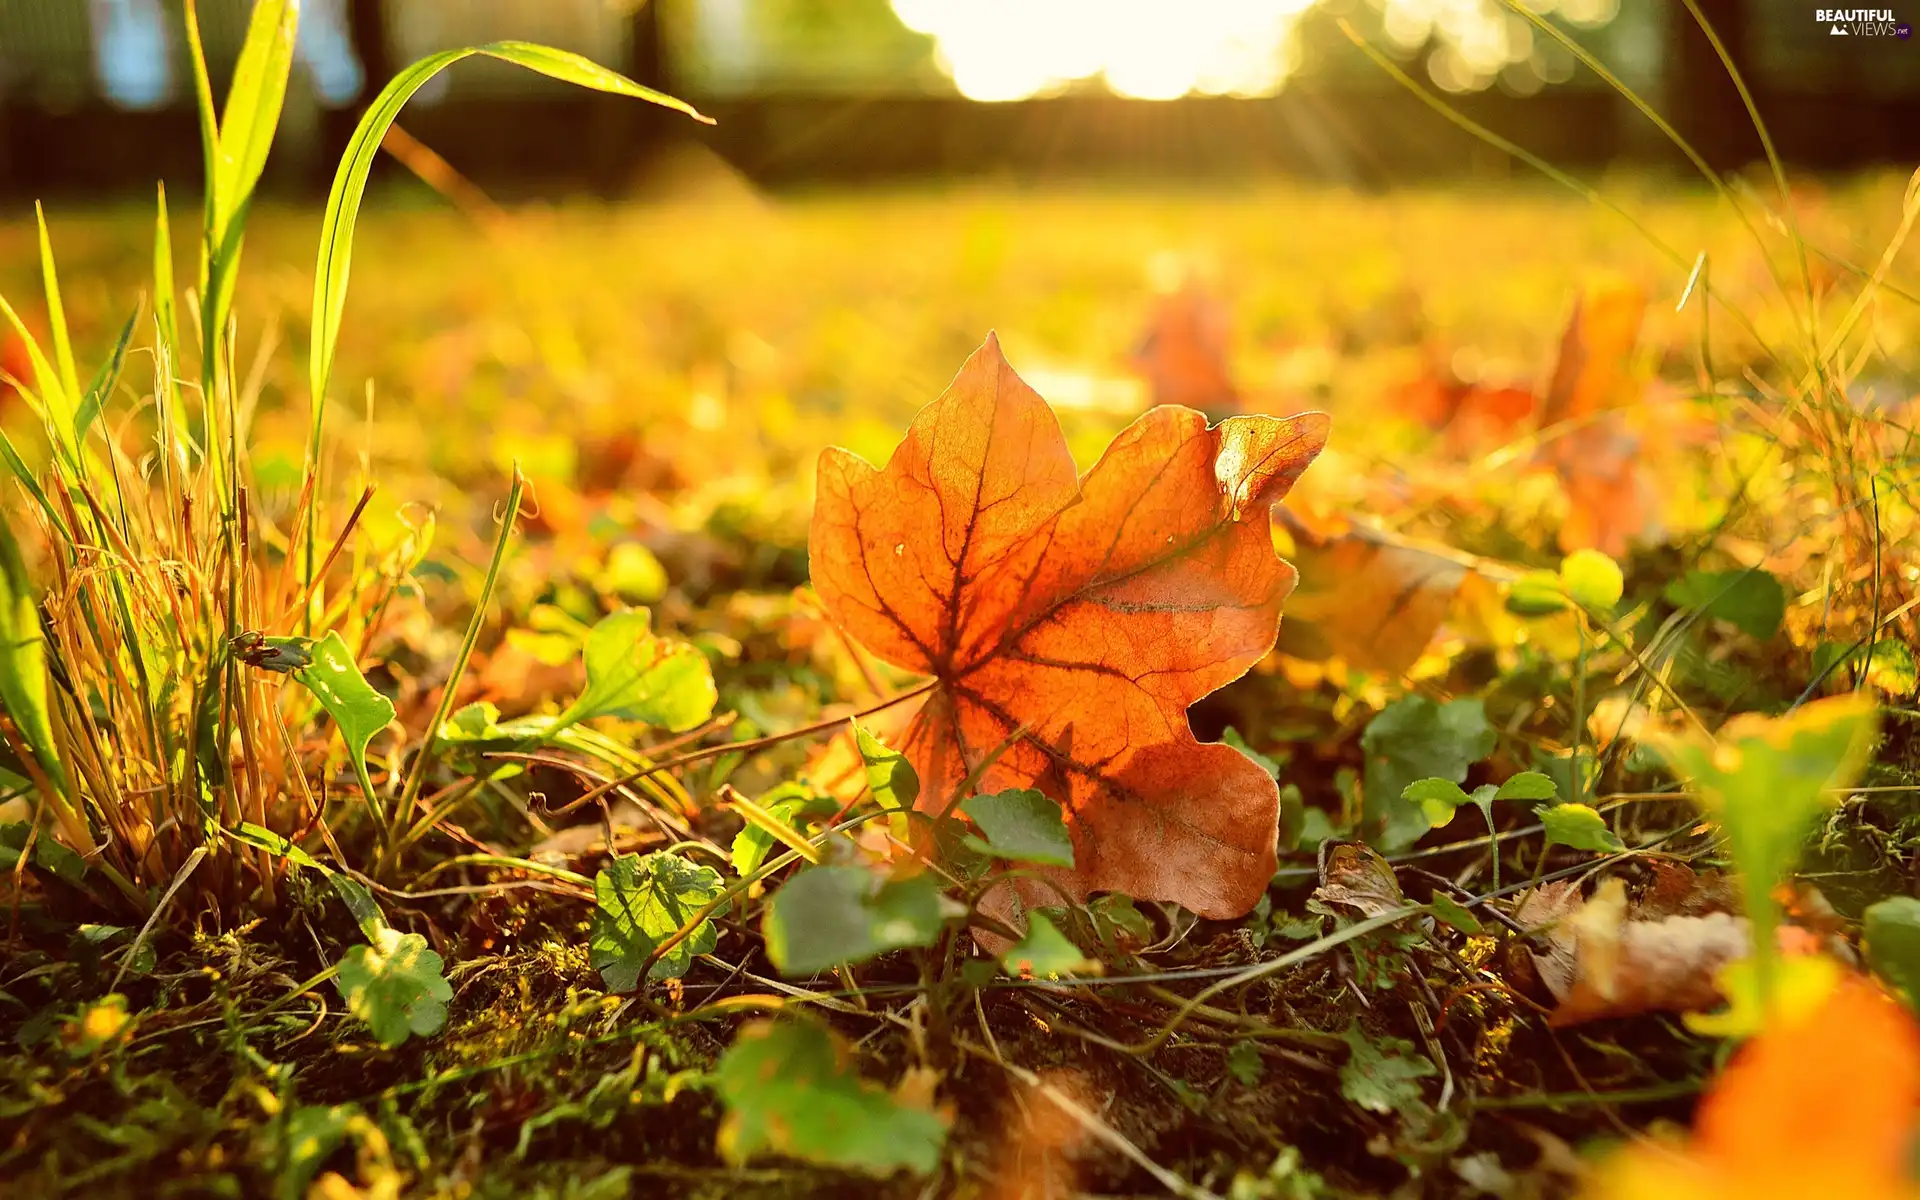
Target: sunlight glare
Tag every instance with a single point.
(1153, 50)
(1013, 49)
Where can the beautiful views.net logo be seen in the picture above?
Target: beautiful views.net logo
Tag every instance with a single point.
(1862, 22)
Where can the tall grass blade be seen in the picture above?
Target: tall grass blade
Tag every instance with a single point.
(451, 688)
(163, 288)
(59, 391)
(209, 119)
(253, 107)
(209, 157)
(240, 149)
(56, 312)
(350, 181)
(1541, 165)
(1909, 211)
(104, 381)
(167, 320)
(180, 878)
(28, 480)
(1788, 213)
(23, 661)
(1592, 63)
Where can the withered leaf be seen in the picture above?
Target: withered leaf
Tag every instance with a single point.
(1606, 958)
(1472, 414)
(1083, 613)
(1599, 457)
(1184, 354)
(1367, 596)
(1592, 372)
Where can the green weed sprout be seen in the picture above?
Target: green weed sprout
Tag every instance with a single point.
(1764, 780)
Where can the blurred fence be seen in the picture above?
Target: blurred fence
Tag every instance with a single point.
(94, 98)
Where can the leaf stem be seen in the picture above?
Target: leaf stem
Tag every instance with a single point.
(1579, 707)
(421, 761)
(761, 743)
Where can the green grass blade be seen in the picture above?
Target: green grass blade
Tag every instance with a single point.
(167, 320)
(23, 660)
(360, 902)
(572, 68)
(209, 124)
(163, 289)
(1877, 281)
(104, 381)
(210, 172)
(451, 688)
(56, 313)
(331, 271)
(253, 107)
(11, 457)
(1787, 209)
(1541, 165)
(240, 148)
(1587, 59)
(1592, 63)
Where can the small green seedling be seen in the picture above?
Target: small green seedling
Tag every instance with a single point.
(395, 985)
(1764, 780)
(1439, 799)
(640, 902)
(1022, 825)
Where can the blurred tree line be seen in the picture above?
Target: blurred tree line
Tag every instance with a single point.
(773, 60)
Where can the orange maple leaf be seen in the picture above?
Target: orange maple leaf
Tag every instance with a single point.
(1473, 414)
(1593, 372)
(1820, 1104)
(1600, 458)
(1088, 612)
(1184, 355)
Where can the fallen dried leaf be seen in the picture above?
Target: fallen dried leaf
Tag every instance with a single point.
(1603, 958)
(1183, 355)
(1034, 1149)
(1084, 614)
(1472, 414)
(1592, 373)
(1599, 457)
(1680, 891)
(1367, 597)
(1624, 967)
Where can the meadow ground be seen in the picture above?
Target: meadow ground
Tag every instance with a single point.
(665, 374)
